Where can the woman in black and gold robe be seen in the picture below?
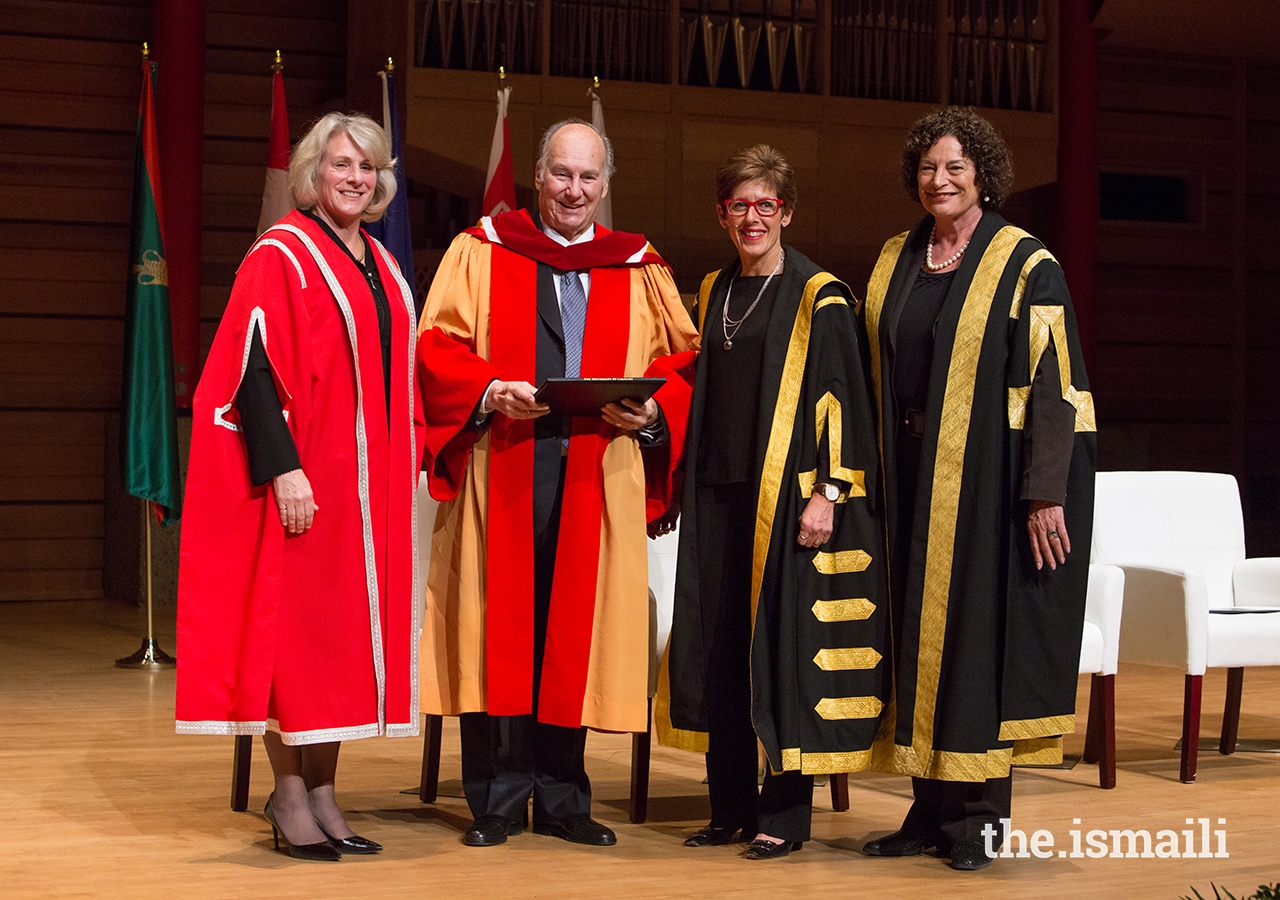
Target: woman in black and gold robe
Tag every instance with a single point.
(778, 629)
(988, 442)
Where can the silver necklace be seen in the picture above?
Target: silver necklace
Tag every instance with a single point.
(724, 311)
(928, 254)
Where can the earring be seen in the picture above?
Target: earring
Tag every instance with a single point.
(986, 198)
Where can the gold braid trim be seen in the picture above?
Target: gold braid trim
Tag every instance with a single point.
(957, 407)
(704, 298)
(841, 562)
(1049, 323)
(824, 763)
(784, 416)
(833, 708)
(1038, 752)
(668, 734)
(830, 414)
(1015, 308)
(842, 659)
(1025, 729)
(877, 287)
(853, 609)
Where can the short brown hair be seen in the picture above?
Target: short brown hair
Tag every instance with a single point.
(992, 162)
(758, 163)
(367, 135)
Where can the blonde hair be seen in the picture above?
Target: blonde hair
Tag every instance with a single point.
(369, 138)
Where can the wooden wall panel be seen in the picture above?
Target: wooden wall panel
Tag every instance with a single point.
(69, 81)
(1189, 313)
(847, 153)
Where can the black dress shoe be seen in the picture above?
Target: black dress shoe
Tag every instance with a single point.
(490, 830)
(762, 849)
(578, 829)
(711, 836)
(321, 851)
(354, 845)
(968, 856)
(900, 843)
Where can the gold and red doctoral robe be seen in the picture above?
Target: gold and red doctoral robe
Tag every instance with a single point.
(479, 321)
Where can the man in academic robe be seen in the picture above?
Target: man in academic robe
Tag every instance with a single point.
(537, 601)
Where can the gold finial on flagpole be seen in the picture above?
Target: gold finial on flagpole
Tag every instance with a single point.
(278, 65)
(502, 75)
(391, 67)
(146, 51)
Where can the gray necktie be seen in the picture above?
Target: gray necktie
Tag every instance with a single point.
(573, 316)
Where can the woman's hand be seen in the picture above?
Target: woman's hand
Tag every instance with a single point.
(666, 523)
(816, 522)
(630, 415)
(515, 400)
(1048, 531)
(295, 501)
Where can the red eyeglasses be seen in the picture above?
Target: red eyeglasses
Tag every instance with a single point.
(765, 206)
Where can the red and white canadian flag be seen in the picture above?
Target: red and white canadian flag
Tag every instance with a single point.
(500, 183)
(276, 201)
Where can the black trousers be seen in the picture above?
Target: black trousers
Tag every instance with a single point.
(948, 812)
(507, 759)
(783, 807)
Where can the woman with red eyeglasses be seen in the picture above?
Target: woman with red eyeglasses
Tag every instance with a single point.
(777, 631)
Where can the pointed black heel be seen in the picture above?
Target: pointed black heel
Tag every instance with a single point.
(320, 852)
(353, 845)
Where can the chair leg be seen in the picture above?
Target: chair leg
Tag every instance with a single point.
(1093, 729)
(640, 746)
(1190, 728)
(1104, 687)
(430, 783)
(840, 792)
(240, 759)
(1231, 712)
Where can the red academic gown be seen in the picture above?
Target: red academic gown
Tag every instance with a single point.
(316, 635)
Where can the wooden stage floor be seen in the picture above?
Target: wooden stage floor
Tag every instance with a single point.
(100, 798)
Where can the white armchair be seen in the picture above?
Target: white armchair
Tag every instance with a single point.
(1099, 652)
(1191, 599)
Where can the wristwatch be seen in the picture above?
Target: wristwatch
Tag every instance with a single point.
(830, 491)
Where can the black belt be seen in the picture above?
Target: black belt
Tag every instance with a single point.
(914, 422)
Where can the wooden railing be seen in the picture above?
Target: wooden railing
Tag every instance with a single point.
(978, 52)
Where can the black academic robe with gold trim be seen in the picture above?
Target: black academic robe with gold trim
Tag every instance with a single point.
(986, 648)
(820, 628)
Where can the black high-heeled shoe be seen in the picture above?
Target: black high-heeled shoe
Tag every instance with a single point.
(322, 851)
(711, 836)
(354, 844)
(762, 849)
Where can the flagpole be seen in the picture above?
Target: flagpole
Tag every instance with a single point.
(148, 449)
(149, 656)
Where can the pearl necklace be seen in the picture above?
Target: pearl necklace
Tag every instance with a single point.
(928, 254)
(724, 311)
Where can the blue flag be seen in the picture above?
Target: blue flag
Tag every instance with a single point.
(393, 228)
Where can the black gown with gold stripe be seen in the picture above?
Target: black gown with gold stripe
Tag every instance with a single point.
(819, 623)
(985, 647)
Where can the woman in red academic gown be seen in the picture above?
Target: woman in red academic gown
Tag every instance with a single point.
(298, 574)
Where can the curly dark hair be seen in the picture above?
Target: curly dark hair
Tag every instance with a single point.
(992, 162)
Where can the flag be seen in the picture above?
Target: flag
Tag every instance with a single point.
(275, 193)
(500, 183)
(148, 420)
(604, 214)
(393, 228)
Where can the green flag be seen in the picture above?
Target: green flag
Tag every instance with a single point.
(148, 422)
